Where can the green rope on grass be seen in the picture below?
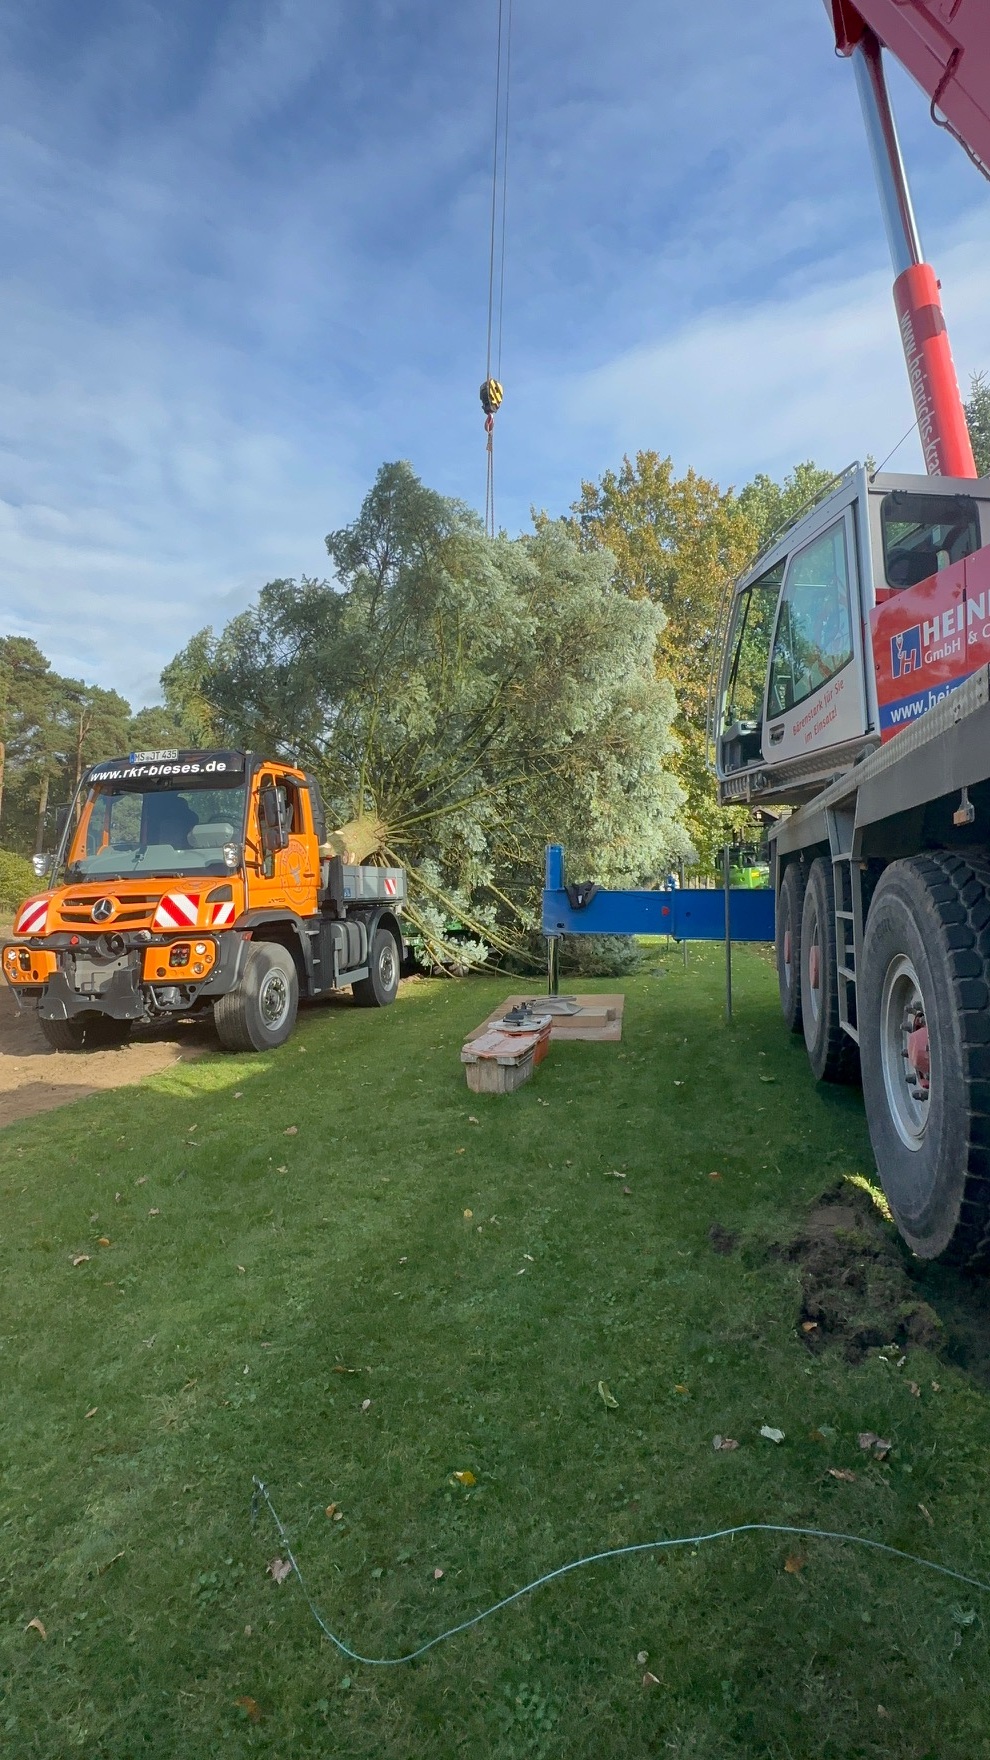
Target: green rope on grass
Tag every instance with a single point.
(261, 1495)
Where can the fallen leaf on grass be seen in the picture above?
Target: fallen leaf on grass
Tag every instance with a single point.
(243, 1269)
(915, 1389)
(608, 1399)
(154, 1212)
(809, 1326)
(844, 1474)
(794, 1563)
(103, 1241)
(768, 1078)
(279, 1569)
(291, 1130)
(643, 1657)
(650, 1680)
(771, 1434)
(679, 1387)
(936, 1386)
(627, 1191)
(472, 1119)
(714, 1176)
(342, 1369)
(251, 1706)
(142, 1181)
(92, 1411)
(366, 1405)
(437, 1574)
(529, 1256)
(724, 1443)
(35, 1625)
(466, 1477)
(927, 1515)
(460, 1151)
(871, 1443)
(239, 1095)
(81, 1259)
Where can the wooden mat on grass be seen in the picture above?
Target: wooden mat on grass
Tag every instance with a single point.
(600, 1017)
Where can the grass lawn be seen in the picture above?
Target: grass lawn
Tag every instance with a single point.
(467, 1266)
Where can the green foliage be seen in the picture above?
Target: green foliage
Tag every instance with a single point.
(479, 698)
(978, 417)
(17, 881)
(129, 1430)
(771, 506)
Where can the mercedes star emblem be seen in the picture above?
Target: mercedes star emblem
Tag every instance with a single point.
(103, 910)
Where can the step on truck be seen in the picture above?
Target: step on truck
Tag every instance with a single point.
(854, 694)
(193, 881)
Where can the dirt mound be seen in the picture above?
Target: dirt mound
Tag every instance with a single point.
(34, 1078)
(856, 1289)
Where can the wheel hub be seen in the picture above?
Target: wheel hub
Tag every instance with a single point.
(905, 1051)
(273, 1000)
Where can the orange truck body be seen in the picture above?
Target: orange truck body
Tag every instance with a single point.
(173, 869)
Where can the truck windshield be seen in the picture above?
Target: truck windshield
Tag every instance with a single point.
(134, 832)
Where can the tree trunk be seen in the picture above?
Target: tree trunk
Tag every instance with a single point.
(3, 765)
(39, 841)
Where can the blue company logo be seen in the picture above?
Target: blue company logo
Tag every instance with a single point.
(905, 651)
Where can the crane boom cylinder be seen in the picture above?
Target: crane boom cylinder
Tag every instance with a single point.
(938, 404)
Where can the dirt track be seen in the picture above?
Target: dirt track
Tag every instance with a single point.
(34, 1078)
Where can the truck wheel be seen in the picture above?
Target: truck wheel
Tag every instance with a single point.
(831, 1052)
(925, 1044)
(86, 1032)
(380, 987)
(789, 906)
(260, 1012)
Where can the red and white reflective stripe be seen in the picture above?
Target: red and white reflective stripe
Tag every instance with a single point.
(177, 910)
(222, 914)
(31, 917)
(390, 886)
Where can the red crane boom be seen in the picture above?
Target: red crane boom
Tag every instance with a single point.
(945, 45)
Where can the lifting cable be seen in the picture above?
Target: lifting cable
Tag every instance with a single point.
(491, 389)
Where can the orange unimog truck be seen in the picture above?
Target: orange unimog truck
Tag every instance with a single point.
(187, 881)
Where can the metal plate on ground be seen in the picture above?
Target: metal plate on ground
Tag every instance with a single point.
(598, 1018)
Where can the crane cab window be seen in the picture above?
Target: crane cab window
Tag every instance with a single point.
(814, 630)
(924, 533)
(741, 733)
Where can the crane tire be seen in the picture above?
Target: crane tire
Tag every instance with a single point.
(381, 985)
(926, 962)
(86, 1032)
(260, 1012)
(831, 1052)
(789, 903)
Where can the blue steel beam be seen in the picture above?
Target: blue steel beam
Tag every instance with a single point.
(686, 913)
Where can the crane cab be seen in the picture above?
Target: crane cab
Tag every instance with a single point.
(846, 625)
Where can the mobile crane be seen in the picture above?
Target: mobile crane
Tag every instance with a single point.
(855, 690)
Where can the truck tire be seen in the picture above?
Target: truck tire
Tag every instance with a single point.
(260, 1012)
(379, 988)
(925, 1046)
(831, 1052)
(86, 1032)
(789, 905)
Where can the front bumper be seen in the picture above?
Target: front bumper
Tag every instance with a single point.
(136, 983)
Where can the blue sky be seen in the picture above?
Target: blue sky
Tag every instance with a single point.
(245, 259)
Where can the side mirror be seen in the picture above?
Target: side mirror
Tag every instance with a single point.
(274, 831)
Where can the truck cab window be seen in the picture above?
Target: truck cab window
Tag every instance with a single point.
(924, 533)
(749, 646)
(814, 630)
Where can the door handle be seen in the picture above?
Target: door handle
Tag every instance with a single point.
(776, 734)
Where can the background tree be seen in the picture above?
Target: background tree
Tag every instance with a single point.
(681, 542)
(471, 699)
(978, 418)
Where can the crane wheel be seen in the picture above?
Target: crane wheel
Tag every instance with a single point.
(789, 905)
(379, 988)
(831, 1052)
(924, 1014)
(86, 1032)
(260, 1012)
